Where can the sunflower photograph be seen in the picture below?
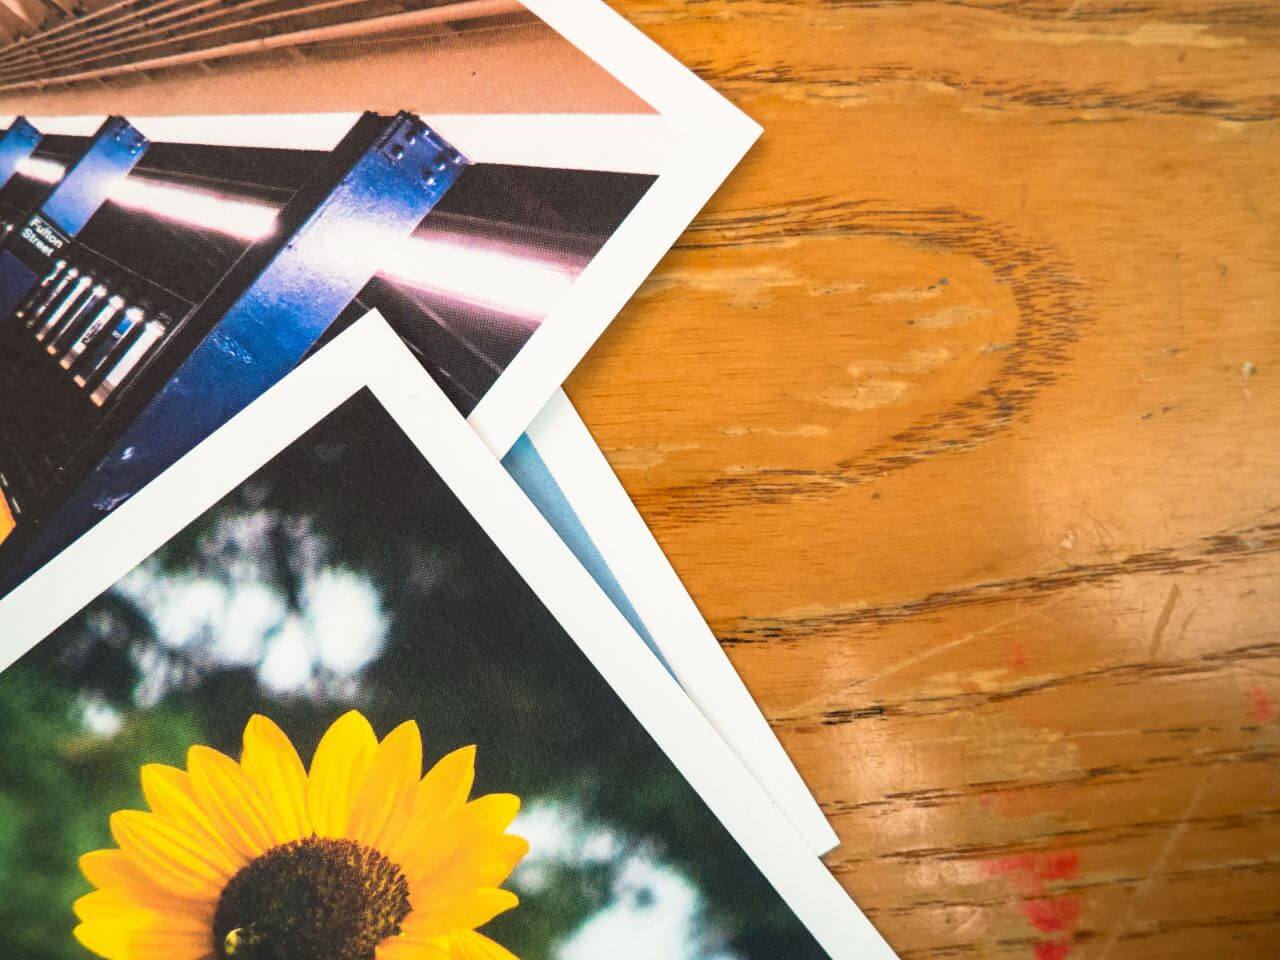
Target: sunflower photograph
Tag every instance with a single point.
(359, 856)
(329, 720)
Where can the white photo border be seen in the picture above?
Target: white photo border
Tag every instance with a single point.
(716, 136)
(661, 601)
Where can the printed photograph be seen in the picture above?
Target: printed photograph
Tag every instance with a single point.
(180, 246)
(150, 289)
(178, 230)
(330, 720)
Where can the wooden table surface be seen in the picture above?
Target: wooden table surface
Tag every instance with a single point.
(957, 410)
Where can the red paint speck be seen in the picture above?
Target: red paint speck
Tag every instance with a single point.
(1005, 866)
(1056, 950)
(1032, 870)
(1060, 866)
(1053, 914)
(1019, 656)
(1260, 705)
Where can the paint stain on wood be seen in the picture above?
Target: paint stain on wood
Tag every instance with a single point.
(1260, 705)
(1032, 874)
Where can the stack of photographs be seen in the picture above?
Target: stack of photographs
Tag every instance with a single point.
(326, 630)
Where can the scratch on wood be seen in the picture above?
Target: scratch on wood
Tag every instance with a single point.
(1163, 621)
(1157, 868)
(804, 708)
(1203, 553)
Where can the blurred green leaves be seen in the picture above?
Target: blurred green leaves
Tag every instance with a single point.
(59, 783)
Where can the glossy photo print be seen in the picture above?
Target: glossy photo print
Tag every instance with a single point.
(201, 272)
(495, 178)
(361, 703)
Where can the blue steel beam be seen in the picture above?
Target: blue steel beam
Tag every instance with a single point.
(268, 312)
(18, 143)
(29, 251)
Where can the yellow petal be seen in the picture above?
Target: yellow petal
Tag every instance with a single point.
(273, 765)
(166, 855)
(448, 784)
(469, 945)
(109, 939)
(410, 948)
(473, 909)
(171, 795)
(440, 793)
(495, 811)
(458, 945)
(103, 904)
(466, 867)
(231, 801)
(499, 858)
(337, 773)
(171, 938)
(467, 848)
(114, 924)
(114, 870)
(385, 801)
(123, 934)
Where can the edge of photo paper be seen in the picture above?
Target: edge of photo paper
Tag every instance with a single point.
(369, 354)
(595, 503)
(716, 136)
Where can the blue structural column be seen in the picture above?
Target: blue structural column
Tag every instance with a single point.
(18, 143)
(269, 311)
(28, 252)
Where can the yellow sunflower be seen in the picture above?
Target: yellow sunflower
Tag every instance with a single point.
(360, 858)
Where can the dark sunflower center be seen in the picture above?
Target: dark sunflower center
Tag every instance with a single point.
(313, 899)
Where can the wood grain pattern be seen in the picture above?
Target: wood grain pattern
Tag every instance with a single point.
(957, 411)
